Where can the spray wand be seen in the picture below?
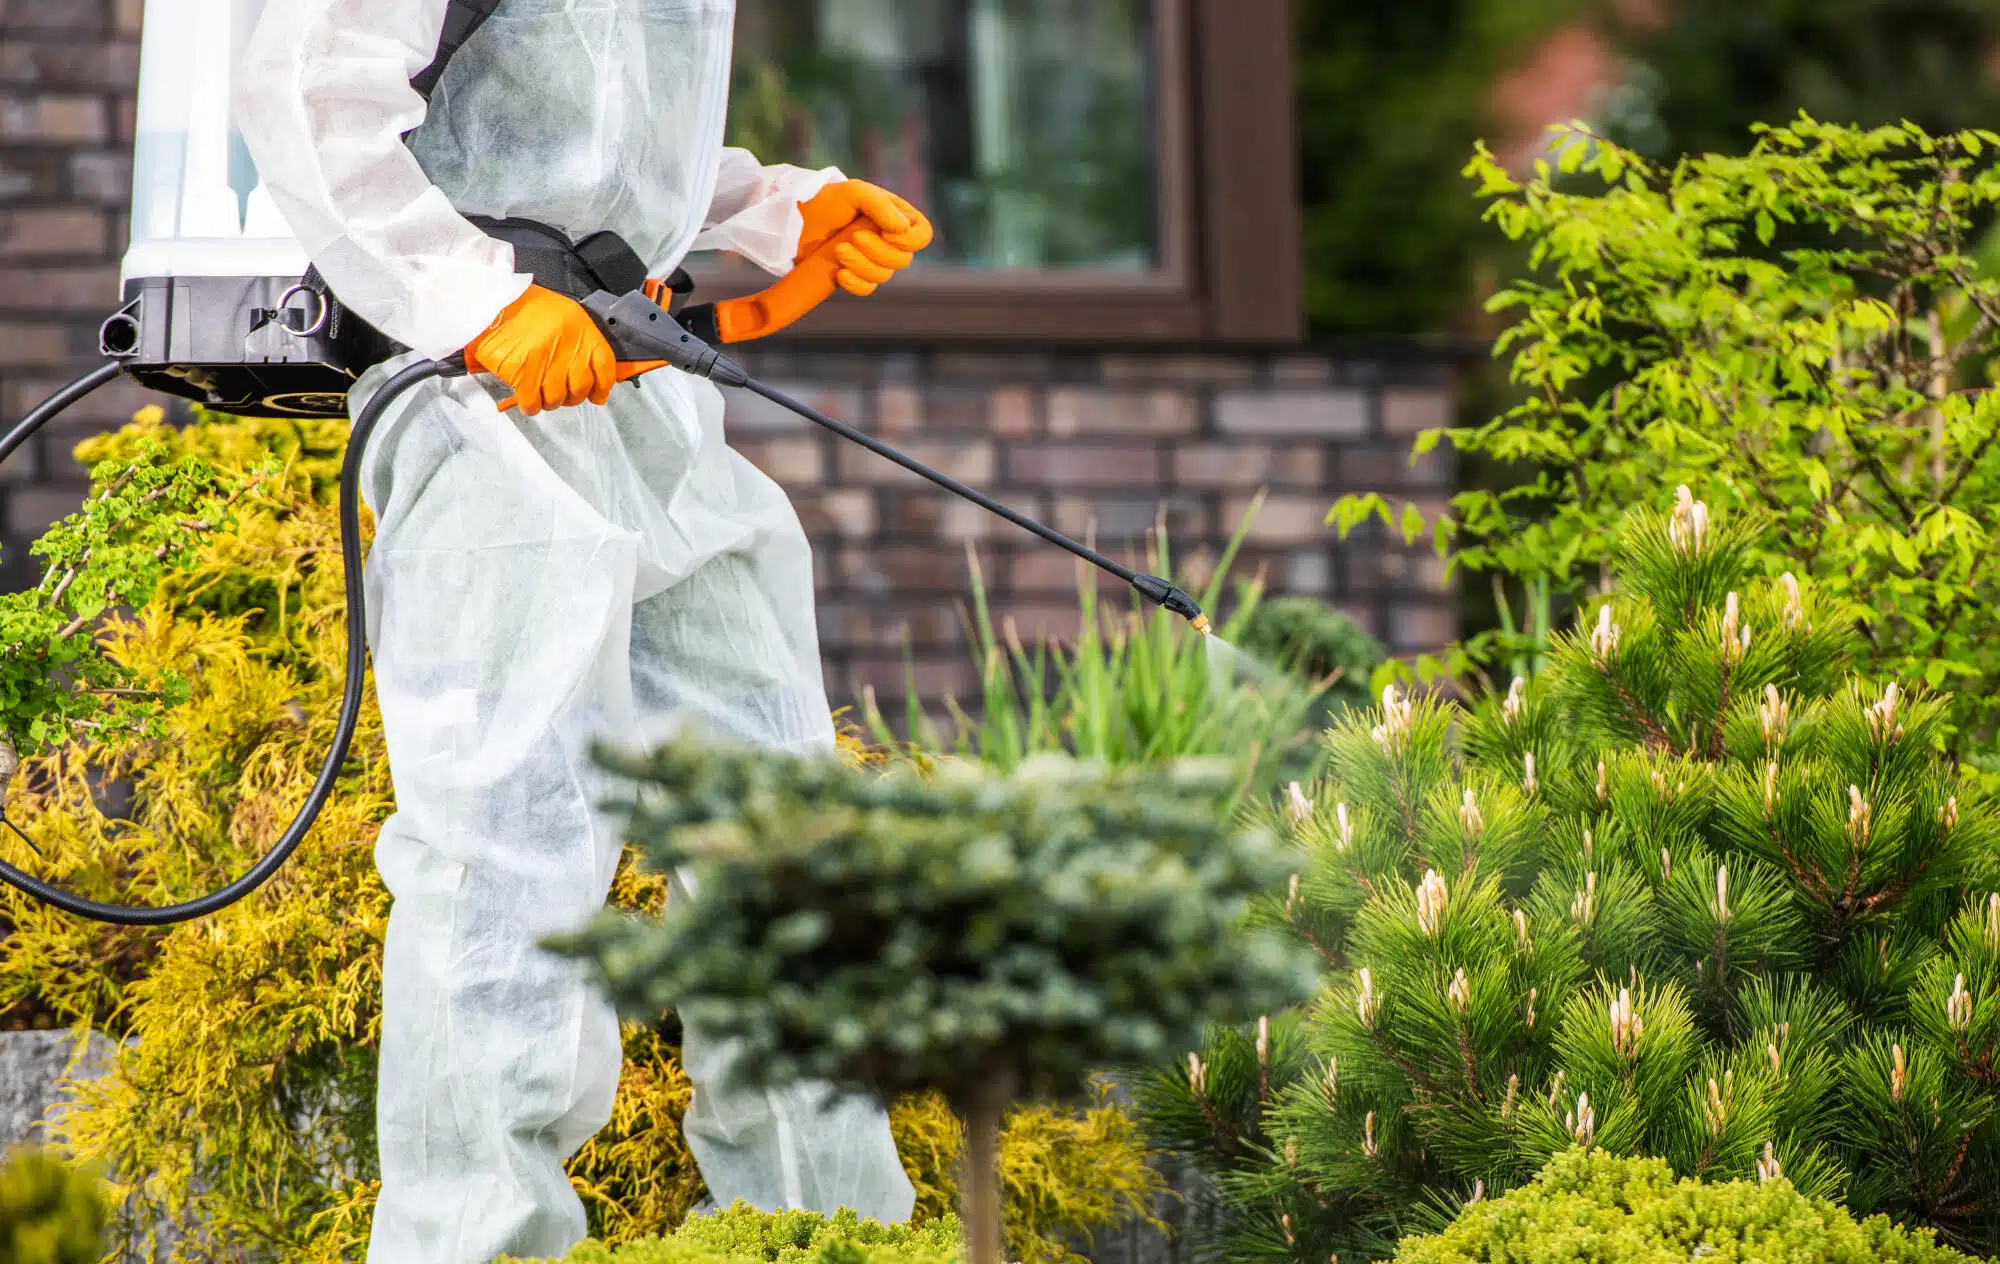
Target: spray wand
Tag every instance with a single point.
(640, 332)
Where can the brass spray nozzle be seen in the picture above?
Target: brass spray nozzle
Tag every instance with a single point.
(1202, 625)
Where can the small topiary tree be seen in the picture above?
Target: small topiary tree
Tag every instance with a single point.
(977, 934)
(1692, 894)
(1589, 1206)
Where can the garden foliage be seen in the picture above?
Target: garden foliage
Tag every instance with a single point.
(49, 1213)
(1801, 331)
(1590, 1206)
(979, 934)
(1694, 893)
(246, 1101)
(744, 1235)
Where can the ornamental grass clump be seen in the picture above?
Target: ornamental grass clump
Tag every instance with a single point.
(982, 935)
(1694, 893)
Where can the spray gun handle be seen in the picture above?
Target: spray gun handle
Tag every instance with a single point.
(640, 331)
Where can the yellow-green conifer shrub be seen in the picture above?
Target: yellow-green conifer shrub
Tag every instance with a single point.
(49, 1213)
(1590, 1207)
(246, 1102)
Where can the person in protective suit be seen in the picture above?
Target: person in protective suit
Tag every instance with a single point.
(598, 565)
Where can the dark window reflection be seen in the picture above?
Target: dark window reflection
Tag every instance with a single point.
(1023, 127)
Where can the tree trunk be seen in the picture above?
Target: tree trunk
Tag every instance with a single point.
(983, 1227)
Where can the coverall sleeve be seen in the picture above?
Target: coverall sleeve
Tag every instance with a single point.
(755, 212)
(323, 101)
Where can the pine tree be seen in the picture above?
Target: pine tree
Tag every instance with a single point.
(1693, 893)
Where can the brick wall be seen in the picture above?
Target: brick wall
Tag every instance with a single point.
(1076, 438)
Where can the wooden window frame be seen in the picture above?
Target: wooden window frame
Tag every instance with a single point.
(1229, 222)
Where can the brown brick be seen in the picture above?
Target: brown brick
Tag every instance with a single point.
(105, 177)
(22, 344)
(51, 232)
(1013, 412)
(970, 462)
(1283, 519)
(1417, 628)
(1034, 622)
(899, 410)
(78, 289)
(1037, 568)
(1301, 465)
(1122, 522)
(915, 512)
(62, 66)
(962, 521)
(1227, 465)
(20, 179)
(1308, 571)
(936, 676)
(903, 569)
(57, 119)
(985, 366)
(753, 414)
(1084, 410)
(791, 462)
(1327, 414)
(1082, 465)
(70, 16)
(1386, 466)
(1189, 370)
(1302, 371)
(848, 514)
(31, 511)
(1407, 411)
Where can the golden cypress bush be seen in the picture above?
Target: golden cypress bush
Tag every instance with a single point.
(245, 1104)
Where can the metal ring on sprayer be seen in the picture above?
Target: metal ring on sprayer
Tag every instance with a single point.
(318, 326)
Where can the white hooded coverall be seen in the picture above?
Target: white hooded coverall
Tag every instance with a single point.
(536, 584)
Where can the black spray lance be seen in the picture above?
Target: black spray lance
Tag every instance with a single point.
(639, 331)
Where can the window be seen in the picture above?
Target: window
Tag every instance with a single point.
(1057, 146)
(1025, 128)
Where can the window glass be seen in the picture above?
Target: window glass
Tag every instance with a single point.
(1024, 128)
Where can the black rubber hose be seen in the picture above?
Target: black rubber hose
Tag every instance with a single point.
(357, 663)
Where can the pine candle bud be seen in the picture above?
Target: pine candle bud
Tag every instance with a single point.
(1583, 906)
(1859, 816)
(1958, 1006)
(1666, 866)
(1508, 1103)
(1770, 787)
(1626, 1025)
(1479, 1191)
(1589, 845)
(1556, 1090)
(1343, 837)
(1264, 1041)
(1286, 1222)
(1529, 784)
(1432, 897)
(1715, 1107)
(1993, 922)
(1301, 807)
(1461, 992)
(1777, 1063)
(1767, 1167)
(1735, 632)
(1793, 617)
(1688, 530)
(1948, 814)
(1517, 701)
(1534, 994)
(1882, 716)
(1527, 945)
(1292, 898)
(1722, 894)
(1197, 1075)
(1604, 640)
(1774, 715)
(1899, 1074)
(1368, 1146)
(1332, 1081)
(1365, 1001)
(1582, 1122)
(1469, 817)
(1603, 784)
(1291, 1152)
(1394, 731)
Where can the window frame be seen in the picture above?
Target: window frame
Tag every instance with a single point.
(1229, 218)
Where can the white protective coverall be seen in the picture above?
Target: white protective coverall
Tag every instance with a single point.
(536, 584)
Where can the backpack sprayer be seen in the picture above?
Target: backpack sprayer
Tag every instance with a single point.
(221, 307)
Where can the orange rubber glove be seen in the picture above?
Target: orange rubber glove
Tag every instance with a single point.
(857, 236)
(549, 351)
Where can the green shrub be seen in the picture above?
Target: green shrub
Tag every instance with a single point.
(1590, 1206)
(1693, 893)
(744, 1235)
(1801, 332)
(246, 1101)
(49, 1213)
(1309, 638)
